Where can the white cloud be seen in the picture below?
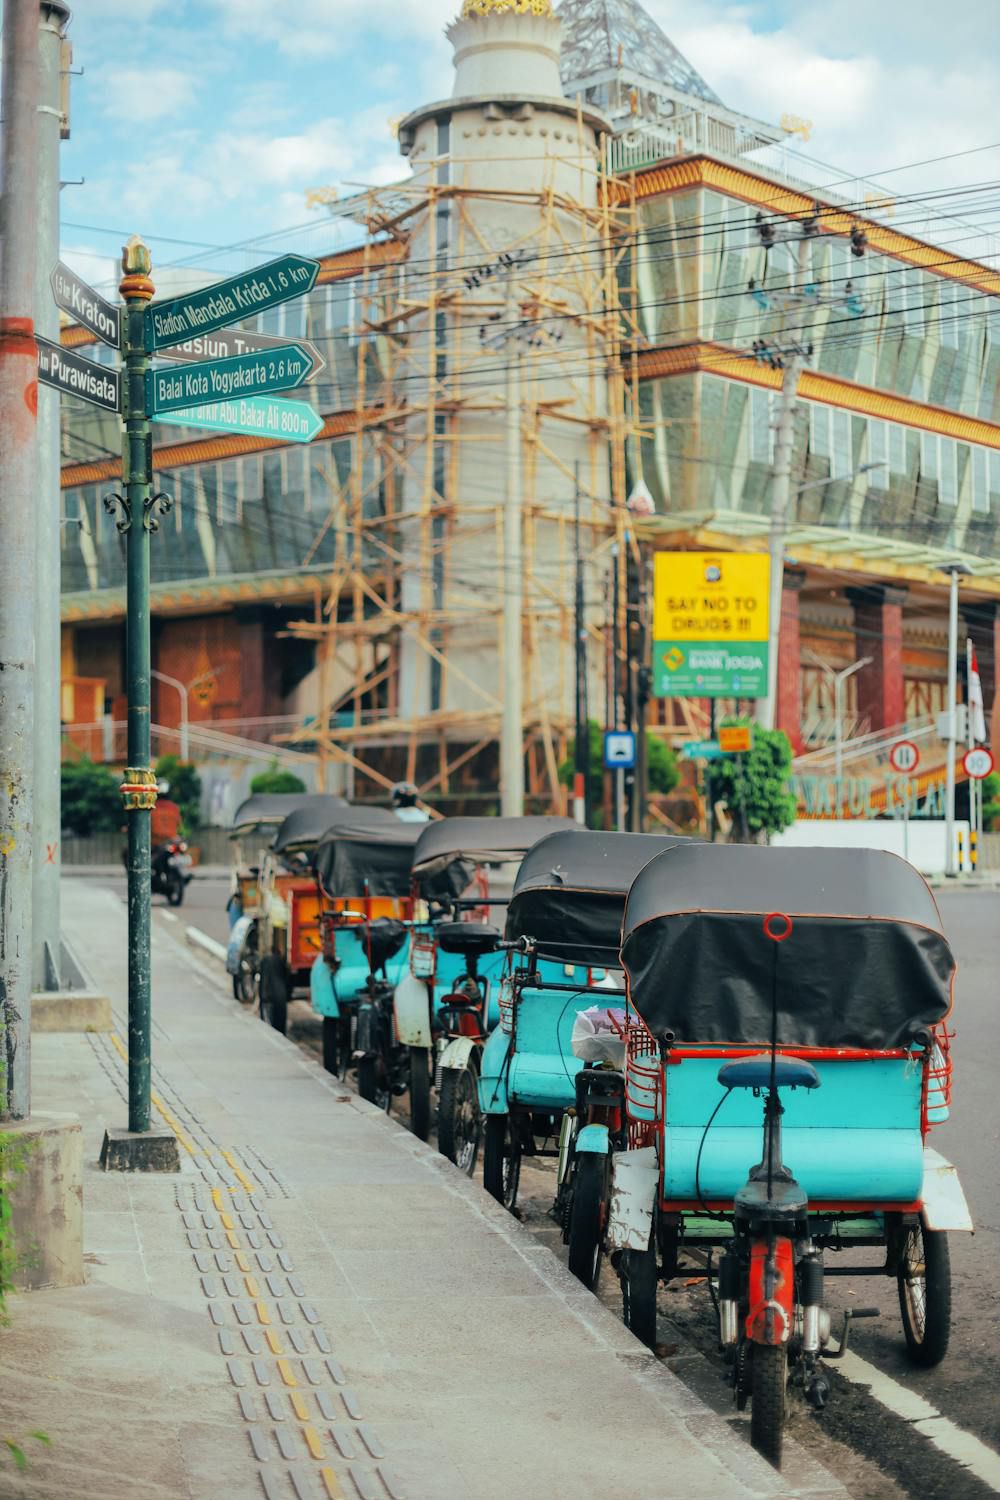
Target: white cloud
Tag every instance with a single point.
(324, 27)
(144, 94)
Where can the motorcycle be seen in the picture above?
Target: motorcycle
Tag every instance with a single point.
(171, 870)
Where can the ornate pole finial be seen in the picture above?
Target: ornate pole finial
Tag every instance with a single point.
(136, 266)
(501, 7)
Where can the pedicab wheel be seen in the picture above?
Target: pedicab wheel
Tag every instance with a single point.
(924, 1279)
(637, 1269)
(501, 1160)
(372, 1083)
(586, 1220)
(768, 1379)
(460, 1123)
(420, 1092)
(274, 992)
(331, 1044)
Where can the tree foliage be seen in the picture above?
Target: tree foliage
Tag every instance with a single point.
(91, 798)
(991, 800)
(274, 781)
(185, 788)
(661, 763)
(754, 786)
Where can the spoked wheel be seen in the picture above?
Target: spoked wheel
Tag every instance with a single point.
(924, 1279)
(246, 975)
(768, 1379)
(420, 1092)
(637, 1270)
(274, 992)
(501, 1160)
(587, 1215)
(460, 1123)
(373, 1083)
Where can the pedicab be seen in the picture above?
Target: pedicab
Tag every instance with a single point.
(565, 910)
(362, 866)
(288, 925)
(806, 991)
(447, 1002)
(254, 825)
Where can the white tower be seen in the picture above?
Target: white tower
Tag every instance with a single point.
(505, 275)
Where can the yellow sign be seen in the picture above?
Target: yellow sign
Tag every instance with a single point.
(710, 596)
(736, 738)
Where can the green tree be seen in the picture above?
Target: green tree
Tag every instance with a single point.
(185, 788)
(754, 785)
(91, 798)
(274, 780)
(661, 763)
(991, 800)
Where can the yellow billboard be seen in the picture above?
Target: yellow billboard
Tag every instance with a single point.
(710, 596)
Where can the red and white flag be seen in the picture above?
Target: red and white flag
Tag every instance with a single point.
(977, 716)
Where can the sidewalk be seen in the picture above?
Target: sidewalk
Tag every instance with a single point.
(319, 1305)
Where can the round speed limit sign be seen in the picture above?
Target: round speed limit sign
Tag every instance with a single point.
(904, 757)
(978, 763)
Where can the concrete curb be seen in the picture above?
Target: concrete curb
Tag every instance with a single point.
(199, 940)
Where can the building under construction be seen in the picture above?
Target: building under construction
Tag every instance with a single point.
(540, 369)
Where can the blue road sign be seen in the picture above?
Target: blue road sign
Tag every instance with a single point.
(619, 750)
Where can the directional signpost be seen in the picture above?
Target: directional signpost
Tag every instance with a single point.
(75, 376)
(284, 421)
(178, 386)
(86, 306)
(701, 750)
(218, 381)
(227, 343)
(229, 301)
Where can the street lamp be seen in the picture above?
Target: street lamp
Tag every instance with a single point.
(184, 689)
(838, 678)
(956, 570)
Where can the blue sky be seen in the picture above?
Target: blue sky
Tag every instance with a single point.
(207, 122)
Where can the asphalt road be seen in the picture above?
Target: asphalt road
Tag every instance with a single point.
(878, 1454)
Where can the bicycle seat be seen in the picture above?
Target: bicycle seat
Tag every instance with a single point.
(385, 937)
(755, 1073)
(467, 938)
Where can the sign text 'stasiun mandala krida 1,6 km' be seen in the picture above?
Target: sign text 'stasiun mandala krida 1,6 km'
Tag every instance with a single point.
(710, 625)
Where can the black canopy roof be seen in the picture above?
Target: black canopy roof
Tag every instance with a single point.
(478, 841)
(570, 891)
(272, 808)
(366, 851)
(305, 825)
(867, 963)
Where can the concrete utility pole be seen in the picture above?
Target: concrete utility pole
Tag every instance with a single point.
(46, 845)
(956, 571)
(512, 722)
(18, 488)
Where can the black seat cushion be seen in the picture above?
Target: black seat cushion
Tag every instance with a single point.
(467, 937)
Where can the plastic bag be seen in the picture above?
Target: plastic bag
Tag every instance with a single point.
(599, 1036)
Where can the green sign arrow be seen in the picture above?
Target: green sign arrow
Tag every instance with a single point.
(229, 301)
(284, 421)
(280, 369)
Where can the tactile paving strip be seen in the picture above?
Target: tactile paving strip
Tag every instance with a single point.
(307, 1427)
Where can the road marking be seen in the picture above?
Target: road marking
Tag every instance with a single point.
(958, 1444)
(168, 916)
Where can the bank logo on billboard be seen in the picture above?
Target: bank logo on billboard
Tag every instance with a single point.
(710, 625)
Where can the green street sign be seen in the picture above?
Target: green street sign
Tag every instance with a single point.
(284, 421)
(179, 386)
(701, 750)
(229, 301)
(706, 669)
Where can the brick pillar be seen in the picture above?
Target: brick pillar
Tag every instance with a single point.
(982, 621)
(878, 633)
(253, 684)
(789, 706)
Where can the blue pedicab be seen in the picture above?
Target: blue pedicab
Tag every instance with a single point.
(565, 917)
(252, 902)
(362, 865)
(448, 1002)
(805, 990)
